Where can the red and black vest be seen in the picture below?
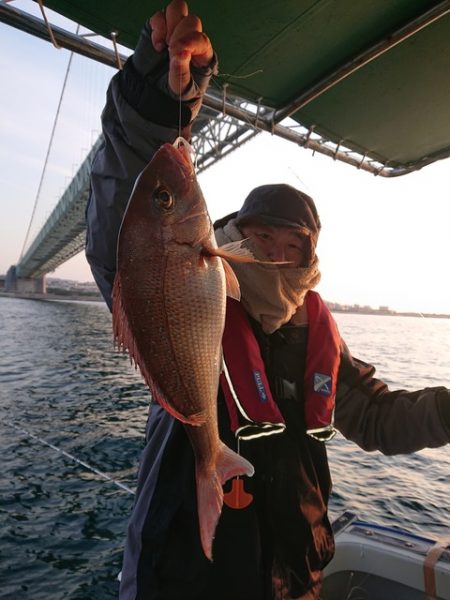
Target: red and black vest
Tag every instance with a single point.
(252, 409)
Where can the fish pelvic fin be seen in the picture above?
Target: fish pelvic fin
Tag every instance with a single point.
(210, 492)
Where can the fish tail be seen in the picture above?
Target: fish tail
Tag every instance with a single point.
(229, 464)
(210, 492)
(209, 503)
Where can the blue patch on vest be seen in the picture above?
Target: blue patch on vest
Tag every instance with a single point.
(322, 384)
(260, 386)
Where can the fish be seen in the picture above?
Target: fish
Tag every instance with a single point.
(169, 300)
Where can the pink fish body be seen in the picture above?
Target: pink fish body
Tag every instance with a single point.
(169, 311)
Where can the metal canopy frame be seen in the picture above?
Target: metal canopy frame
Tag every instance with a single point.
(231, 120)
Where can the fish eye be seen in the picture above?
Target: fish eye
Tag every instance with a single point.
(163, 198)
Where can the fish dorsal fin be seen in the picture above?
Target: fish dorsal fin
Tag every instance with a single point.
(124, 340)
(232, 283)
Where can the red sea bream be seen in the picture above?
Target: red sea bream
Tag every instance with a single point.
(169, 310)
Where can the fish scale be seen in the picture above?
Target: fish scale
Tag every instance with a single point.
(198, 325)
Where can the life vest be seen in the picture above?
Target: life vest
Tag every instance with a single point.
(253, 411)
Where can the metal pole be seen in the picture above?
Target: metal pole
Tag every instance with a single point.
(78, 44)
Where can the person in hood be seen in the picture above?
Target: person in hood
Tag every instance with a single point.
(291, 380)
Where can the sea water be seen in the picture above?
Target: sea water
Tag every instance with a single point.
(72, 416)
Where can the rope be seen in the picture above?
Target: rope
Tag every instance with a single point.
(49, 29)
(71, 457)
(116, 51)
(52, 135)
(429, 575)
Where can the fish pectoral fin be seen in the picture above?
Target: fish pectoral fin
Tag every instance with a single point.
(236, 251)
(232, 283)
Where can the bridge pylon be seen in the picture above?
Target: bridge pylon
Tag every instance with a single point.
(24, 285)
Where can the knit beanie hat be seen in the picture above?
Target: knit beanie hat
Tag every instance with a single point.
(284, 206)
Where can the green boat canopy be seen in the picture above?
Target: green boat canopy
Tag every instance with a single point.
(373, 76)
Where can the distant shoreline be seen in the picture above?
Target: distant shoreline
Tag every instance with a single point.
(387, 313)
(336, 308)
(49, 296)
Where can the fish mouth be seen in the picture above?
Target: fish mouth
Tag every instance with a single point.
(181, 151)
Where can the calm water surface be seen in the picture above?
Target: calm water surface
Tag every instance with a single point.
(62, 525)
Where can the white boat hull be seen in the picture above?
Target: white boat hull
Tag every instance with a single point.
(373, 562)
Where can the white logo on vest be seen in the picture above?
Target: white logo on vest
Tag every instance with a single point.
(322, 384)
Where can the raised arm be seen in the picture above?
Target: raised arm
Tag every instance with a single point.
(142, 112)
(393, 422)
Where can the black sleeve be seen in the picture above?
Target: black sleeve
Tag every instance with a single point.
(393, 422)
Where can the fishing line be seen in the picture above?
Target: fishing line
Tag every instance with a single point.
(180, 141)
(179, 107)
(71, 457)
(230, 76)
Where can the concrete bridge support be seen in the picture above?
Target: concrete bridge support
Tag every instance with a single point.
(24, 285)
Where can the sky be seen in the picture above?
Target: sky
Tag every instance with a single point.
(384, 241)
